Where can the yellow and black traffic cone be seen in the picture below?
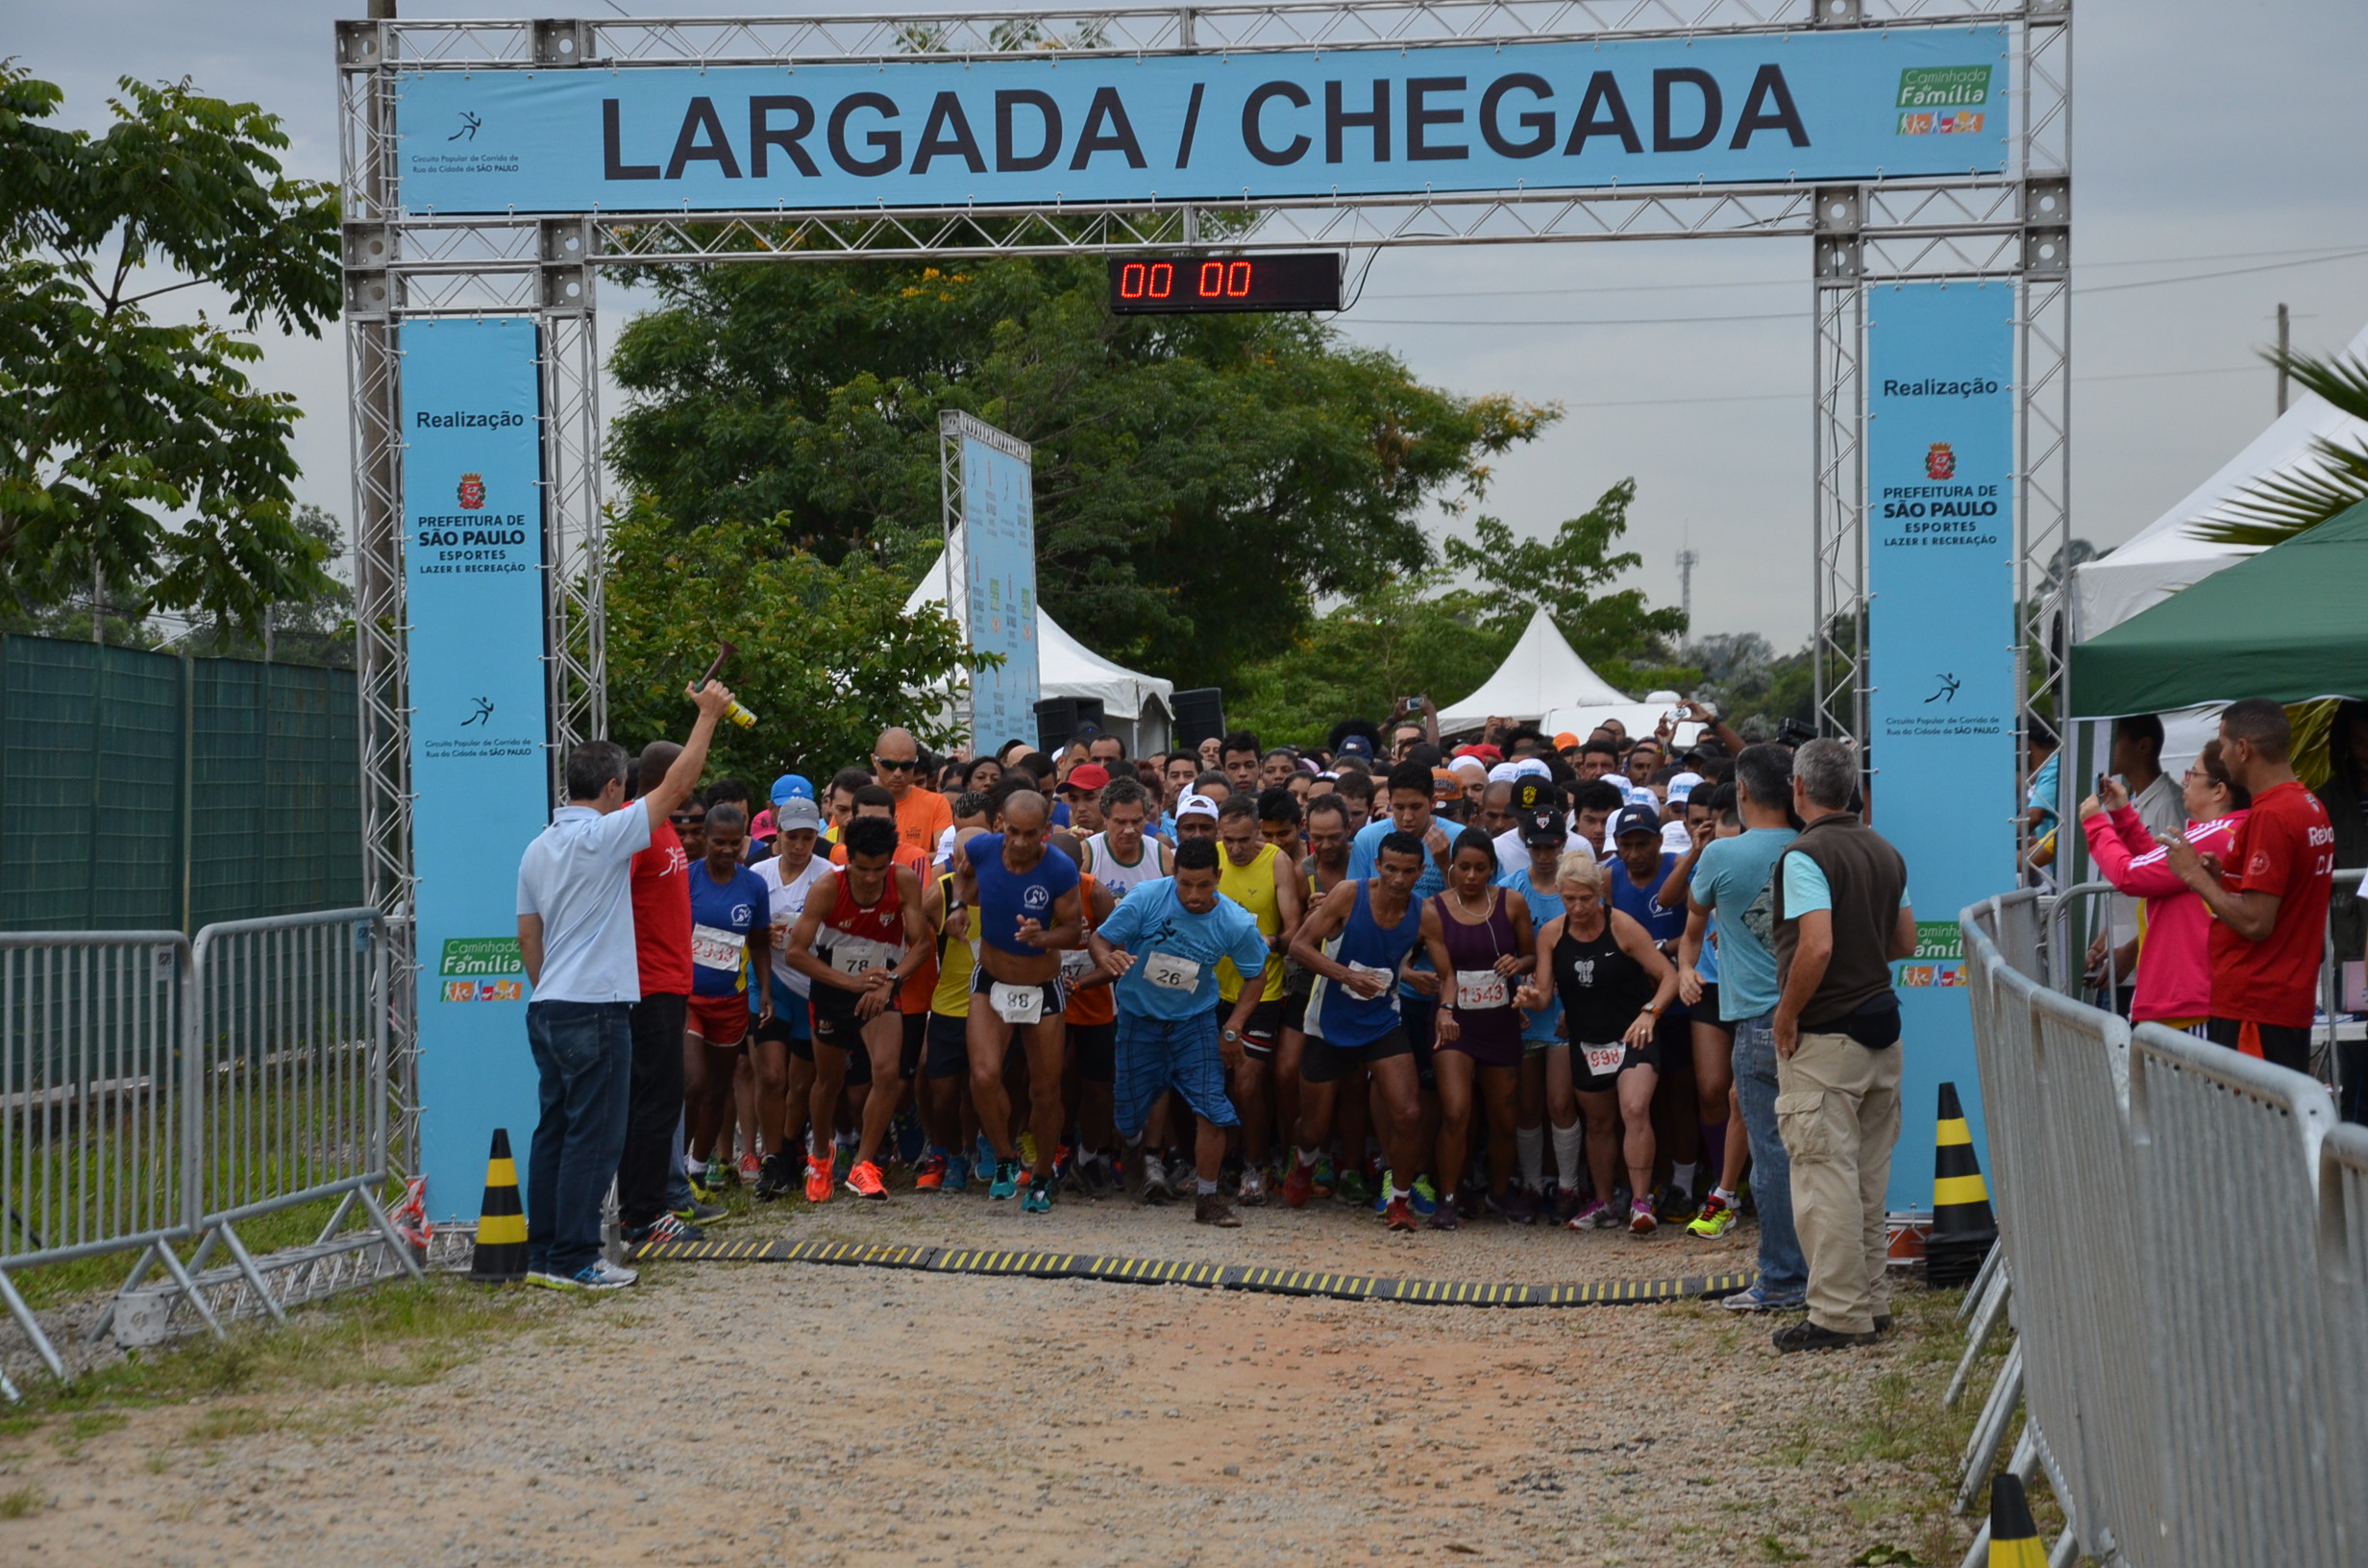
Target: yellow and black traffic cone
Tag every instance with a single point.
(501, 1255)
(1963, 1229)
(2014, 1539)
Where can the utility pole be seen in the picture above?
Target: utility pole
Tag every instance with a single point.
(2284, 327)
(1686, 561)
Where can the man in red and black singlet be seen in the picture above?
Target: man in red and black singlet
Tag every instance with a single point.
(2269, 904)
(661, 891)
(860, 938)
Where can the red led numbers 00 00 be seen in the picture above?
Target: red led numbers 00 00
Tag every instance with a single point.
(1140, 282)
(1224, 280)
(1193, 284)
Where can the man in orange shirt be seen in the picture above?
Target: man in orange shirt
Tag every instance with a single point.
(922, 815)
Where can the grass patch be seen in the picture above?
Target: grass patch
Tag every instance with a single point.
(21, 1502)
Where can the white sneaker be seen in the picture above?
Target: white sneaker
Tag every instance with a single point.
(600, 1274)
(1154, 1188)
(1253, 1188)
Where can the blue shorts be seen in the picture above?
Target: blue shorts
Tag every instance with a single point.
(1155, 1055)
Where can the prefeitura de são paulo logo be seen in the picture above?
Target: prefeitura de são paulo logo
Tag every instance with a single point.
(1940, 463)
(472, 492)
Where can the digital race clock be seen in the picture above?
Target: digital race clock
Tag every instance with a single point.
(1193, 284)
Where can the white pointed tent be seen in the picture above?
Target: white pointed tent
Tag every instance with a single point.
(1133, 704)
(2165, 556)
(1540, 675)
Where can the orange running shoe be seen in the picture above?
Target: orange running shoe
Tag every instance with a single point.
(1299, 1184)
(863, 1181)
(818, 1182)
(1400, 1214)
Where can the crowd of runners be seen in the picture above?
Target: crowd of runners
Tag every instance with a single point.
(1441, 982)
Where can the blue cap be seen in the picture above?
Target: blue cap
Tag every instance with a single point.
(1635, 820)
(791, 786)
(1356, 746)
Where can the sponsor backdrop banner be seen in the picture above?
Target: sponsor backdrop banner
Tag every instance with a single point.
(1940, 585)
(999, 548)
(924, 132)
(473, 576)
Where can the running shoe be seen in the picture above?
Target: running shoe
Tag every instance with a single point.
(1808, 1335)
(1597, 1216)
(749, 1165)
(1102, 1177)
(1758, 1300)
(1425, 1197)
(1027, 1149)
(906, 1138)
(1253, 1193)
(1006, 1179)
(1299, 1185)
(1675, 1206)
(1064, 1164)
(775, 1178)
(1349, 1187)
(1716, 1219)
(718, 1176)
(818, 1182)
(665, 1228)
(1446, 1216)
(931, 1177)
(984, 1161)
(1564, 1201)
(1039, 1199)
(1640, 1221)
(1399, 1215)
(699, 1214)
(1212, 1209)
(863, 1181)
(1154, 1186)
(600, 1274)
(1324, 1179)
(957, 1174)
(1517, 1205)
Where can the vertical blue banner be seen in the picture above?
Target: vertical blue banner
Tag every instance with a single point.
(1940, 721)
(473, 581)
(999, 535)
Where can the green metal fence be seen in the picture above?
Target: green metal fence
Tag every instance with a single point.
(144, 791)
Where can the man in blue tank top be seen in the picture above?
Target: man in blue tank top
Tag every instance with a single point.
(1355, 943)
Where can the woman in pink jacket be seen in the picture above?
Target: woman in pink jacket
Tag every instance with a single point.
(2174, 974)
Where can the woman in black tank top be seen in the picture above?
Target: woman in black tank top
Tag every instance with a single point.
(1614, 984)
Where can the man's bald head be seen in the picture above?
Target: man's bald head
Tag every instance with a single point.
(1025, 808)
(895, 740)
(895, 760)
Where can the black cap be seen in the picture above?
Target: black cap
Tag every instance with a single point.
(1544, 828)
(1635, 820)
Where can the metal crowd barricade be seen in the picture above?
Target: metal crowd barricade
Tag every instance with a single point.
(160, 1093)
(94, 1142)
(2195, 1364)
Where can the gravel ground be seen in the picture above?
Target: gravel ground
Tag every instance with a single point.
(727, 1413)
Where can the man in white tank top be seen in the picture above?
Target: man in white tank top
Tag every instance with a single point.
(1119, 857)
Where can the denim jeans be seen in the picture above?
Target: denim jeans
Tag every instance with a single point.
(1784, 1272)
(584, 1052)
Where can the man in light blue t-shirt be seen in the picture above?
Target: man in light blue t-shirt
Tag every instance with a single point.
(1161, 945)
(576, 934)
(1729, 879)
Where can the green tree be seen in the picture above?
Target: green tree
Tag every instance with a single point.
(134, 453)
(317, 629)
(1618, 632)
(1201, 482)
(827, 658)
(1404, 638)
(2279, 507)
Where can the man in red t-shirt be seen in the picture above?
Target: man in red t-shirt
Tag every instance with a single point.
(2269, 901)
(662, 943)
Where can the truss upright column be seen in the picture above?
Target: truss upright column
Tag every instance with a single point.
(1838, 527)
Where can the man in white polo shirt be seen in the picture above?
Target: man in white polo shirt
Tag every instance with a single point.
(576, 933)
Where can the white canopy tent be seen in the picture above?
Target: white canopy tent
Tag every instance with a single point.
(1134, 705)
(2165, 556)
(1540, 676)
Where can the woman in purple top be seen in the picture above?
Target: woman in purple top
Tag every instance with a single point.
(1479, 939)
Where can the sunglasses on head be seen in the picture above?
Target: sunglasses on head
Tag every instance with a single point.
(896, 765)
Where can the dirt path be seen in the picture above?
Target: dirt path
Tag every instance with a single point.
(723, 1414)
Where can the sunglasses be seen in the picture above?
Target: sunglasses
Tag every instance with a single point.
(694, 820)
(894, 764)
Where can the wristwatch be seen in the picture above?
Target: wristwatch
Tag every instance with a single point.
(1233, 1037)
(1653, 1008)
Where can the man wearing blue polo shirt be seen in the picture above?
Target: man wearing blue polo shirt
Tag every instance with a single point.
(576, 933)
(1161, 946)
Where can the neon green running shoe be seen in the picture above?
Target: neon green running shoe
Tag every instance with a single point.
(1716, 1219)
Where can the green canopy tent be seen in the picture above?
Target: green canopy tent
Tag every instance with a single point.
(2290, 623)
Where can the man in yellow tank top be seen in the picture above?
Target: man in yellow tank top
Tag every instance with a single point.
(1254, 875)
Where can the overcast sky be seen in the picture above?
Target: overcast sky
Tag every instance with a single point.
(2215, 174)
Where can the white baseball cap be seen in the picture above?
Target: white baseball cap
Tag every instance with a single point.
(1193, 804)
(1504, 773)
(1682, 787)
(1531, 767)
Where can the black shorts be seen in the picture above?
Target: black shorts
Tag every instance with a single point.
(1587, 1081)
(858, 1060)
(949, 1047)
(1262, 1032)
(2282, 1045)
(915, 1036)
(1056, 993)
(1421, 1016)
(1325, 1063)
(1295, 1009)
(1706, 1010)
(1096, 1047)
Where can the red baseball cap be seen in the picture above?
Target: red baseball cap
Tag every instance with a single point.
(1086, 775)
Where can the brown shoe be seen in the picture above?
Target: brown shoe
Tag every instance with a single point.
(1212, 1209)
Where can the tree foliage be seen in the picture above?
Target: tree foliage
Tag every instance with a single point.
(827, 658)
(1201, 482)
(2280, 506)
(1410, 637)
(135, 448)
(1567, 576)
